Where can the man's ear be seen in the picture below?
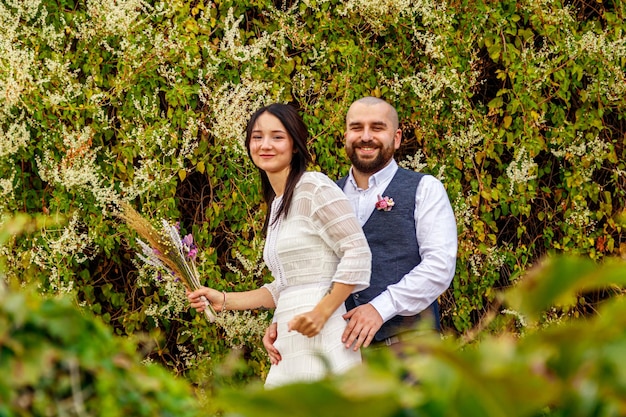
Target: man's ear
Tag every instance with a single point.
(397, 139)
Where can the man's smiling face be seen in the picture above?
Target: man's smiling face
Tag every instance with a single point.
(371, 137)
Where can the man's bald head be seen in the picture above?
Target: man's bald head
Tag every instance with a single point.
(374, 101)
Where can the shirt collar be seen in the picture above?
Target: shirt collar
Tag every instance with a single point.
(380, 177)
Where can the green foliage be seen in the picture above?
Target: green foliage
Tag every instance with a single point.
(571, 368)
(55, 360)
(517, 106)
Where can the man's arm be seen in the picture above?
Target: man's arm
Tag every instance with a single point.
(269, 338)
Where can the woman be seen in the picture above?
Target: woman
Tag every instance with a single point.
(314, 248)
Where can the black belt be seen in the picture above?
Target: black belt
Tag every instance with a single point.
(400, 337)
(387, 342)
(391, 340)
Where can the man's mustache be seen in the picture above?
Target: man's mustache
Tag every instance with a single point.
(369, 144)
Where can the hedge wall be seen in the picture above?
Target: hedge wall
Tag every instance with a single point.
(517, 106)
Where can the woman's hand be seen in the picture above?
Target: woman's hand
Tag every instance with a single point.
(200, 299)
(309, 324)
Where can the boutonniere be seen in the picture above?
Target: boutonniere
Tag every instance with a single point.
(384, 203)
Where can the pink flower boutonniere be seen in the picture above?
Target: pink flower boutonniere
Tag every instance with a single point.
(384, 203)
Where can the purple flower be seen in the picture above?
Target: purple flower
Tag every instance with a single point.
(192, 254)
(188, 241)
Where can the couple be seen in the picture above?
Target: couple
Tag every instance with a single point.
(322, 244)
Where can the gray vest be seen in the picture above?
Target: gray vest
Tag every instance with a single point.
(395, 250)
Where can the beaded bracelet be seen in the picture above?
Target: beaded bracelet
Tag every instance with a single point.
(224, 302)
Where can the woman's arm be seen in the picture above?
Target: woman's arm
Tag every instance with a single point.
(339, 229)
(245, 300)
(312, 322)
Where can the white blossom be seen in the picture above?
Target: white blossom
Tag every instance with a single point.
(521, 170)
(231, 106)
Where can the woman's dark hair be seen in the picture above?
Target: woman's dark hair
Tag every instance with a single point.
(289, 117)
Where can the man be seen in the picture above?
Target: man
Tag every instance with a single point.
(410, 227)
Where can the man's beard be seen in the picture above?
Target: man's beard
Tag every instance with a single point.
(373, 165)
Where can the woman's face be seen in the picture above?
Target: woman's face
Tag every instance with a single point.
(271, 147)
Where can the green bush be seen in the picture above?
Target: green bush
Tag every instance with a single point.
(517, 106)
(555, 369)
(528, 361)
(58, 361)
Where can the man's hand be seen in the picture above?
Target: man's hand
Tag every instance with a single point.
(268, 341)
(363, 325)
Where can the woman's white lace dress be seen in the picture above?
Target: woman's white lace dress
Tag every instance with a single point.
(320, 241)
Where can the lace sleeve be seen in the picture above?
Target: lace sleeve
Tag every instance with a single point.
(340, 229)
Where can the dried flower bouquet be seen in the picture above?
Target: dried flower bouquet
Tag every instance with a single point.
(165, 249)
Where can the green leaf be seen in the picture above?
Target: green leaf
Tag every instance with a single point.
(558, 280)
